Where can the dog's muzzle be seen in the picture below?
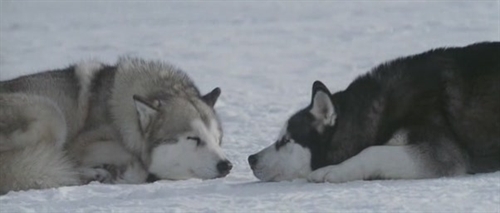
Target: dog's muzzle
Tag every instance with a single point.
(223, 167)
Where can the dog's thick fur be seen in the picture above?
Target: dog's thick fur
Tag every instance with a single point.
(428, 115)
(126, 123)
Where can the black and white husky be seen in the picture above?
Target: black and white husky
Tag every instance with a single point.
(428, 115)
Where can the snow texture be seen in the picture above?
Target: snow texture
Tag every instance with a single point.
(264, 55)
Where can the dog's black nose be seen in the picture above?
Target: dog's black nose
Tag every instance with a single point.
(252, 160)
(224, 167)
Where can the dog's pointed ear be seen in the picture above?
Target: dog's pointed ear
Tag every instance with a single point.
(212, 97)
(146, 111)
(321, 103)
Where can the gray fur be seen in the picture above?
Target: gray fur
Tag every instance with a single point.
(86, 126)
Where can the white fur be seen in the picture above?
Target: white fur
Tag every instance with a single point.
(289, 162)
(213, 129)
(283, 131)
(322, 108)
(388, 162)
(209, 134)
(145, 113)
(94, 174)
(184, 159)
(134, 173)
(399, 138)
(85, 72)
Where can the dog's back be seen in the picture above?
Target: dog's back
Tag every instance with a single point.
(67, 88)
(450, 93)
(453, 89)
(473, 104)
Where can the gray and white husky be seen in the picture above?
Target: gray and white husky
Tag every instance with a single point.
(429, 115)
(132, 122)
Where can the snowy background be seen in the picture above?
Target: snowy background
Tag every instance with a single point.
(265, 56)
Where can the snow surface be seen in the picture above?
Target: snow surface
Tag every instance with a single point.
(265, 56)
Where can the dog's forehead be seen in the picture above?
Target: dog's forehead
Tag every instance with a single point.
(168, 126)
(174, 117)
(209, 133)
(199, 125)
(300, 123)
(296, 129)
(179, 116)
(186, 109)
(208, 116)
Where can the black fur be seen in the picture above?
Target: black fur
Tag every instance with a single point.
(447, 99)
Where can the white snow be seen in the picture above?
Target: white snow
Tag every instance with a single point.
(265, 56)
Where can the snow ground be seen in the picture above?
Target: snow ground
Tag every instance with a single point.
(265, 56)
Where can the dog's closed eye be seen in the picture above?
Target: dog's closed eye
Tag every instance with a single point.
(197, 139)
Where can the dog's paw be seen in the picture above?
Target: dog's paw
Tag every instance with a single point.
(319, 175)
(134, 173)
(88, 175)
(114, 171)
(336, 174)
(331, 174)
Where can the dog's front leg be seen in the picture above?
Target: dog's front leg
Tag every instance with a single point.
(387, 162)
